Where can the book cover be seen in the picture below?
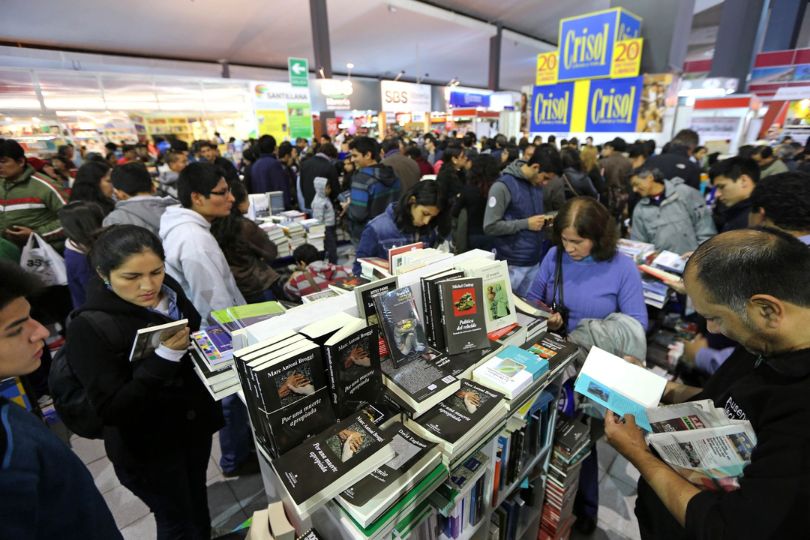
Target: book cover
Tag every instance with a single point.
(367, 309)
(348, 284)
(401, 325)
(288, 427)
(353, 366)
(427, 375)
(434, 326)
(311, 468)
(410, 449)
(320, 295)
(461, 413)
(237, 317)
(553, 348)
(214, 345)
(511, 371)
(394, 251)
(148, 339)
(464, 319)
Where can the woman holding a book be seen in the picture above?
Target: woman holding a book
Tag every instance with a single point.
(596, 298)
(157, 417)
(419, 216)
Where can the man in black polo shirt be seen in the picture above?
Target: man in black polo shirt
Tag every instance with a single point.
(765, 308)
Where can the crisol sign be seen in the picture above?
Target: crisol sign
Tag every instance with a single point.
(613, 104)
(587, 41)
(552, 107)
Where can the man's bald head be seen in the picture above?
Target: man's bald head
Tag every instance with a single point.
(734, 266)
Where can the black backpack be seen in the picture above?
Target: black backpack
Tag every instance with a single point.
(69, 396)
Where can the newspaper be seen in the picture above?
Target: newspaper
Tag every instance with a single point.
(702, 444)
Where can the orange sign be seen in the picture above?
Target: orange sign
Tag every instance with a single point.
(626, 58)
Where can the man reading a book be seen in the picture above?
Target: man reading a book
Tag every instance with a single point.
(765, 308)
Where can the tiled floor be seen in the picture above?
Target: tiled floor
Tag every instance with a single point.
(231, 501)
(617, 497)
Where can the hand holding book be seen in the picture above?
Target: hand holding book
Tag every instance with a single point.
(177, 341)
(625, 436)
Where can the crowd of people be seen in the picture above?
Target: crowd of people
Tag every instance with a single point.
(158, 232)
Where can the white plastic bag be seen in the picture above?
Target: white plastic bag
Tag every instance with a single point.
(38, 257)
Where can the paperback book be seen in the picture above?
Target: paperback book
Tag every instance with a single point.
(463, 313)
(401, 325)
(423, 382)
(552, 348)
(148, 339)
(319, 469)
(431, 307)
(511, 371)
(497, 290)
(372, 496)
(237, 317)
(367, 309)
(214, 345)
(353, 366)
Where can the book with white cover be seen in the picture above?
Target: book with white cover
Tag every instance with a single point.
(620, 386)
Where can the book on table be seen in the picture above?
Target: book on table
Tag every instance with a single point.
(320, 295)
(401, 325)
(459, 420)
(373, 495)
(214, 346)
(461, 302)
(421, 383)
(347, 285)
(395, 254)
(323, 466)
(620, 386)
(497, 291)
(237, 317)
(553, 348)
(431, 307)
(148, 339)
(511, 371)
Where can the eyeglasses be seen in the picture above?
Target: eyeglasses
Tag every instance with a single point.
(223, 193)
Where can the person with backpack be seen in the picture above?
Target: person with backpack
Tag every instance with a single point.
(47, 492)
(157, 418)
(373, 186)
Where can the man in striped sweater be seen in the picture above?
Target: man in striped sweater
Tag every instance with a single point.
(29, 201)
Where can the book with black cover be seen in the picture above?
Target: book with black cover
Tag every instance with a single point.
(370, 497)
(328, 463)
(463, 313)
(553, 348)
(367, 309)
(290, 426)
(353, 367)
(401, 325)
(431, 307)
(460, 415)
(423, 382)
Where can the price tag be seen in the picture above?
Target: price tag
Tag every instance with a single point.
(547, 68)
(626, 60)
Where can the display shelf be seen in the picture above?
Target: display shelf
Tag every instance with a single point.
(469, 533)
(502, 496)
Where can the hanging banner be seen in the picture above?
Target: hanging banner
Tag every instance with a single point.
(552, 107)
(272, 122)
(626, 58)
(547, 68)
(300, 120)
(467, 99)
(587, 42)
(613, 104)
(405, 97)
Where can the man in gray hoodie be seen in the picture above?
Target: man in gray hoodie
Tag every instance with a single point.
(137, 203)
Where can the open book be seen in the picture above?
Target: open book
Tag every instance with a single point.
(148, 339)
(703, 445)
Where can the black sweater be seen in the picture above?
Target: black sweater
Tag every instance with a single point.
(774, 496)
(150, 406)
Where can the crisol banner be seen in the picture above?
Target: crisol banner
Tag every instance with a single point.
(587, 41)
(613, 104)
(552, 107)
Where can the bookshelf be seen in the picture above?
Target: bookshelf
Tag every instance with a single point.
(333, 523)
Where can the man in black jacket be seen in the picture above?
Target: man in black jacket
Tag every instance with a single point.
(676, 160)
(46, 490)
(735, 179)
(765, 308)
(321, 164)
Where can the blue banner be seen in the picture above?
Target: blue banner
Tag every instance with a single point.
(552, 107)
(586, 46)
(613, 104)
(629, 26)
(464, 99)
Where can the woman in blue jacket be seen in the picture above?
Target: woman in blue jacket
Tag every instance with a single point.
(419, 216)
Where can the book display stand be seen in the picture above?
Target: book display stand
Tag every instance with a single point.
(496, 477)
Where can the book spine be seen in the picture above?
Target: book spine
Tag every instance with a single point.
(331, 371)
(441, 333)
(427, 310)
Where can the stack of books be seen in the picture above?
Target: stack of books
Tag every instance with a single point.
(409, 258)
(556, 350)
(212, 357)
(292, 216)
(374, 268)
(461, 420)
(571, 447)
(416, 458)
(656, 293)
(499, 303)
(238, 317)
(275, 233)
(296, 235)
(511, 371)
(638, 251)
(316, 231)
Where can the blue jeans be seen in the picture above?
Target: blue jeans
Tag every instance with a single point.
(235, 439)
(521, 278)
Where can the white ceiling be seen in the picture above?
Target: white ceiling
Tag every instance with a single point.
(380, 37)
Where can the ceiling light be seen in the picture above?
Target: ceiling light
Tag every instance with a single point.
(350, 65)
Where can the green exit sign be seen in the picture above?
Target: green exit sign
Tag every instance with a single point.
(299, 71)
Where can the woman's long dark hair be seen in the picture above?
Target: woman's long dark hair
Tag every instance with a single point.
(87, 186)
(424, 193)
(116, 243)
(228, 230)
(591, 220)
(81, 221)
(483, 173)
